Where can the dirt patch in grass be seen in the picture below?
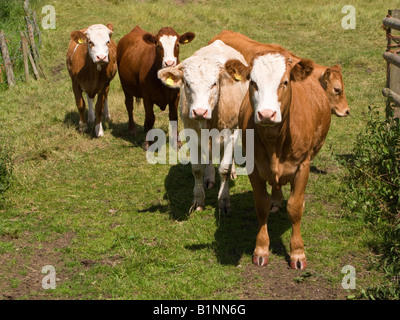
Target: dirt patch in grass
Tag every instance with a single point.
(277, 281)
(20, 270)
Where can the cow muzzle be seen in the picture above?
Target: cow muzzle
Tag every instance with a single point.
(267, 116)
(169, 63)
(200, 114)
(101, 59)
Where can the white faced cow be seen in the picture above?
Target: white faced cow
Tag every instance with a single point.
(209, 99)
(290, 115)
(92, 64)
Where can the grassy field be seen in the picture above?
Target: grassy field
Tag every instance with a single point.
(115, 227)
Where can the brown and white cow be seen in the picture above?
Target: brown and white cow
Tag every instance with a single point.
(209, 99)
(329, 77)
(92, 64)
(140, 56)
(290, 115)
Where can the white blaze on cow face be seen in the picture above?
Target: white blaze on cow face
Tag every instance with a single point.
(99, 37)
(201, 86)
(266, 77)
(168, 43)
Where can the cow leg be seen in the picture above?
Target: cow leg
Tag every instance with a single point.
(102, 96)
(295, 207)
(106, 111)
(262, 203)
(149, 120)
(129, 109)
(80, 104)
(224, 201)
(225, 169)
(91, 115)
(276, 196)
(198, 191)
(173, 116)
(209, 176)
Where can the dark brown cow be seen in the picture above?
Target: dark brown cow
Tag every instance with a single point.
(92, 64)
(329, 77)
(140, 56)
(290, 114)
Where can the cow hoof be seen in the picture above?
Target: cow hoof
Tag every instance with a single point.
(99, 130)
(298, 264)
(145, 145)
(82, 127)
(260, 261)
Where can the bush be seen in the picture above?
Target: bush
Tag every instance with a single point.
(5, 170)
(374, 181)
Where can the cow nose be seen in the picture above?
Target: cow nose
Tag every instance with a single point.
(347, 112)
(266, 116)
(200, 113)
(169, 63)
(101, 58)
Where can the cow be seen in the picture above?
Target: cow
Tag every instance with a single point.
(209, 99)
(330, 78)
(140, 56)
(92, 64)
(290, 114)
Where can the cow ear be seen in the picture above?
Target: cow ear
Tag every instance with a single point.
(336, 68)
(237, 70)
(149, 38)
(78, 36)
(186, 38)
(325, 76)
(302, 70)
(111, 27)
(172, 76)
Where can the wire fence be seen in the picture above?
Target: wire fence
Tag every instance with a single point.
(14, 44)
(392, 90)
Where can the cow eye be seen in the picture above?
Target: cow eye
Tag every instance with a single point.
(337, 90)
(254, 85)
(214, 85)
(285, 83)
(108, 42)
(91, 44)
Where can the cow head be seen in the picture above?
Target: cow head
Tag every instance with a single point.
(167, 43)
(199, 79)
(332, 82)
(270, 75)
(97, 38)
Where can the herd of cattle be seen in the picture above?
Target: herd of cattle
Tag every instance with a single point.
(233, 82)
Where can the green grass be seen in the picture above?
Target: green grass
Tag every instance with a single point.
(129, 234)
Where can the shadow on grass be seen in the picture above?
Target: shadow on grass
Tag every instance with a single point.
(236, 233)
(118, 130)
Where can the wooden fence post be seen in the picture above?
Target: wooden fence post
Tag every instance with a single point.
(393, 72)
(7, 61)
(25, 55)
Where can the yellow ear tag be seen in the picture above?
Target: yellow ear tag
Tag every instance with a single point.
(238, 77)
(80, 41)
(186, 41)
(169, 81)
